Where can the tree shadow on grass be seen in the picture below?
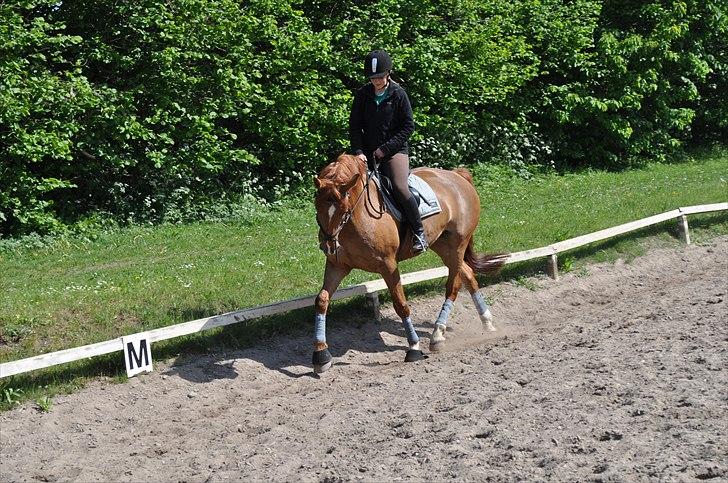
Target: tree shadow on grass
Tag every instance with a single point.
(708, 221)
(626, 246)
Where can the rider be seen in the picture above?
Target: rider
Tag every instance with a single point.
(379, 126)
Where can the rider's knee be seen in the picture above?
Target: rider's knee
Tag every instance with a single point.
(403, 193)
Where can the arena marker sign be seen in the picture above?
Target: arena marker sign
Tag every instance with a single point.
(137, 353)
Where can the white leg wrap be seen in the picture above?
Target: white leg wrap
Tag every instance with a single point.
(483, 310)
(487, 320)
(438, 335)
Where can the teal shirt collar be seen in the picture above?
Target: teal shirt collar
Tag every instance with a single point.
(379, 98)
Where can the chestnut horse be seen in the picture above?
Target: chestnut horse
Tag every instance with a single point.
(357, 232)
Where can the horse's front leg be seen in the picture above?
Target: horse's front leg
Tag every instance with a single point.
(333, 275)
(392, 278)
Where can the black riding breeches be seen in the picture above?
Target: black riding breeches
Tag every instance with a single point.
(396, 169)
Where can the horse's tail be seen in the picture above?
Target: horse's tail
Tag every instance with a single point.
(485, 263)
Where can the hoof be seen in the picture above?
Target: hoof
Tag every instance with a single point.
(414, 355)
(321, 369)
(322, 361)
(487, 320)
(437, 346)
(437, 340)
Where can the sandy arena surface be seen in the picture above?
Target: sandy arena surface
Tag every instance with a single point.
(614, 374)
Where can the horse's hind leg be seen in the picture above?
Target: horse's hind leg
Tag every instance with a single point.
(333, 275)
(453, 262)
(394, 283)
(466, 273)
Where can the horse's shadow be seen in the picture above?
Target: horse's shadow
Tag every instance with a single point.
(284, 344)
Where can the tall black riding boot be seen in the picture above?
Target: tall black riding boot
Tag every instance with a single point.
(412, 213)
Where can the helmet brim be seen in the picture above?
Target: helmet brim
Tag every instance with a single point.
(377, 76)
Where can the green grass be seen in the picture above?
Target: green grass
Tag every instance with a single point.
(72, 293)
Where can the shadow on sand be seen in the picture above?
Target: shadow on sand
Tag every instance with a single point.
(284, 343)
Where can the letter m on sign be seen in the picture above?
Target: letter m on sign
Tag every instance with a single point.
(137, 354)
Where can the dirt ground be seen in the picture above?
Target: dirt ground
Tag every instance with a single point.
(613, 373)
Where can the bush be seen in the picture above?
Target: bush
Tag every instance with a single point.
(43, 98)
(168, 111)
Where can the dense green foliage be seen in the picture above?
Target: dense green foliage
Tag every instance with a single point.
(166, 111)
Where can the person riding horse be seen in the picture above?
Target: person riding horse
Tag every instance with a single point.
(355, 232)
(380, 124)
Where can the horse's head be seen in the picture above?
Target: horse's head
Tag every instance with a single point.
(338, 189)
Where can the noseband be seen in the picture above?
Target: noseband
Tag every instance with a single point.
(332, 240)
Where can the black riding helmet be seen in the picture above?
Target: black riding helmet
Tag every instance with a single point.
(377, 64)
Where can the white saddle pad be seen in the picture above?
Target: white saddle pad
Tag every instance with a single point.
(428, 203)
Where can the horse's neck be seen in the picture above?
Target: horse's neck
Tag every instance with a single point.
(370, 209)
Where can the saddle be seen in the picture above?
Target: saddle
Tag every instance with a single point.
(427, 201)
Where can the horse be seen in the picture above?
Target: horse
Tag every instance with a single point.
(356, 231)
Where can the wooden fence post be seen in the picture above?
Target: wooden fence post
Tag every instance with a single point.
(373, 300)
(553, 266)
(682, 223)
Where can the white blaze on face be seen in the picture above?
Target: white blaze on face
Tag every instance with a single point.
(332, 210)
(374, 65)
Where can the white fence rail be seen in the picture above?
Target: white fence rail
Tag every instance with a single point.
(368, 288)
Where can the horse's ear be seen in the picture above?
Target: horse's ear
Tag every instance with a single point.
(350, 183)
(317, 182)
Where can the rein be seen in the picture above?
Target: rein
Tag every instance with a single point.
(374, 173)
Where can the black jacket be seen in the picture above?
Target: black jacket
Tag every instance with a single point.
(386, 126)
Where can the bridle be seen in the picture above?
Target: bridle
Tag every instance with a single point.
(332, 240)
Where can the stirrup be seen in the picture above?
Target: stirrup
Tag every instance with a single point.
(419, 244)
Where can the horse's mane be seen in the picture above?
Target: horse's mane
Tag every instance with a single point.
(342, 169)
